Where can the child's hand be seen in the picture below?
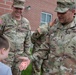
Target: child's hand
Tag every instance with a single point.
(24, 64)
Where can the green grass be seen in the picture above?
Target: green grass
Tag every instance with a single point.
(28, 71)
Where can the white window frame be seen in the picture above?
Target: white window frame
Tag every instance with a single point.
(45, 18)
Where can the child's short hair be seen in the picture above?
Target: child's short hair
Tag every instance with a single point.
(4, 43)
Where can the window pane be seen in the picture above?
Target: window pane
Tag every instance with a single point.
(43, 17)
(48, 18)
(42, 23)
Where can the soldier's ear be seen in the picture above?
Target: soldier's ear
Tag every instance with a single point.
(39, 30)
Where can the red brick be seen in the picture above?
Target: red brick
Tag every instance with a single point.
(8, 11)
(38, 6)
(2, 1)
(4, 6)
(1, 10)
(9, 3)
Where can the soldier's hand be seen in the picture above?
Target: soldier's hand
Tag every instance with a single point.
(39, 30)
(53, 22)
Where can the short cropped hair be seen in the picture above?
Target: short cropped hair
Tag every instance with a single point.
(4, 43)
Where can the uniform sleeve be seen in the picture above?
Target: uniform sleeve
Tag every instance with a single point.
(43, 29)
(41, 53)
(36, 34)
(27, 42)
(71, 52)
(1, 25)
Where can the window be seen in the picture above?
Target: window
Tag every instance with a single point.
(45, 18)
(8, 0)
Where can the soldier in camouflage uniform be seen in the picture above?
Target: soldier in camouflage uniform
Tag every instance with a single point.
(17, 28)
(62, 48)
(37, 39)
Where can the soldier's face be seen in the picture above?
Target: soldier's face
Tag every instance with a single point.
(17, 11)
(66, 17)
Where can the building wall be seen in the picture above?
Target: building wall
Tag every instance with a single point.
(5, 6)
(38, 6)
(34, 14)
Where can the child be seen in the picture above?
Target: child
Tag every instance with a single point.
(4, 50)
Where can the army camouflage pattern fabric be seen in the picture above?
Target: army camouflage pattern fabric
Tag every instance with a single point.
(40, 40)
(38, 55)
(19, 3)
(62, 52)
(18, 33)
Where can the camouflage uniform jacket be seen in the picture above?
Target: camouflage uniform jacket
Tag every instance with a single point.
(18, 33)
(62, 49)
(37, 40)
(38, 54)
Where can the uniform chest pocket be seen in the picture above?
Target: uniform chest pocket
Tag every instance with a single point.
(22, 28)
(9, 28)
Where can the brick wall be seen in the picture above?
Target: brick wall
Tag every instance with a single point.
(5, 6)
(38, 6)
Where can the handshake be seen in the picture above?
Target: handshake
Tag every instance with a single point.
(24, 63)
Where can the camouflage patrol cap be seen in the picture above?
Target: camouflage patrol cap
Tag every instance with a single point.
(18, 3)
(64, 5)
